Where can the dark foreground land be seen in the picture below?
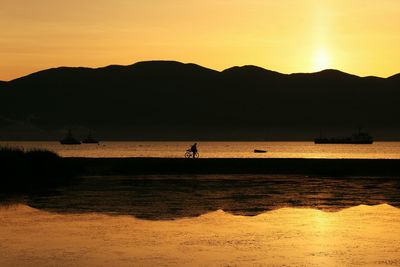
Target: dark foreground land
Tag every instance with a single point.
(25, 170)
(32, 166)
(330, 167)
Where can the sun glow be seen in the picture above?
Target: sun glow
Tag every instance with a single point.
(361, 37)
(321, 60)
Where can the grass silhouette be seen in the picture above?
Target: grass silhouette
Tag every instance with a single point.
(26, 170)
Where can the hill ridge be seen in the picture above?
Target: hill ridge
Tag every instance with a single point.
(239, 67)
(172, 100)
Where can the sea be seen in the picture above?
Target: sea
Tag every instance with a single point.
(173, 149)
(206, 220)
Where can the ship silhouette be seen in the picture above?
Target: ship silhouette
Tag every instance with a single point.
(357, 138)
(90, 140)
(69, 139)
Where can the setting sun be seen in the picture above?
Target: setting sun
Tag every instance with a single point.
(321, 60)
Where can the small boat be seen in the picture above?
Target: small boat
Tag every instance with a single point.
(69, 139)
(90, 140)
(260, 151)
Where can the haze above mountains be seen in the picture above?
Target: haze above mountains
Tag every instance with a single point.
(167, 100)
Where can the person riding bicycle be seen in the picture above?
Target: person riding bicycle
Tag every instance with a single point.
(193, 148)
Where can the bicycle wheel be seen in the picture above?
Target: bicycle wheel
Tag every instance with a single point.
(197, 155)
(188, 154)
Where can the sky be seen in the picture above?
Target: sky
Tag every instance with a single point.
(356, 36)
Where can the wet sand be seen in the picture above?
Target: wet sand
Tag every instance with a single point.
(358, 236)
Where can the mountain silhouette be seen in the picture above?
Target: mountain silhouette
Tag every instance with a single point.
(171, 100)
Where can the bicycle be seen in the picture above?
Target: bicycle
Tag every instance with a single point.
(189, 154)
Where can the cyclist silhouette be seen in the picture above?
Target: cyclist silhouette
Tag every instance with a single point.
(194, 149)
(192, 152)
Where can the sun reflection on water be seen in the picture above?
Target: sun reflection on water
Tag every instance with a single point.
(293, 237)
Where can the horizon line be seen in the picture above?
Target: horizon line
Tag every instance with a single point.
(191, 63)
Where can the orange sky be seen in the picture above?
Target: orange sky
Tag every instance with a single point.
(356, 36)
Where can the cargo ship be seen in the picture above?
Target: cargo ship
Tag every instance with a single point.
(90, 140)
(360, 138)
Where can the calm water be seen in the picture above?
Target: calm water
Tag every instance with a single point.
(382, 150)
(359, 236)
(198, 221)
(205, 220)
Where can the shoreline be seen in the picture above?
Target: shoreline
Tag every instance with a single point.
(331, 167)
